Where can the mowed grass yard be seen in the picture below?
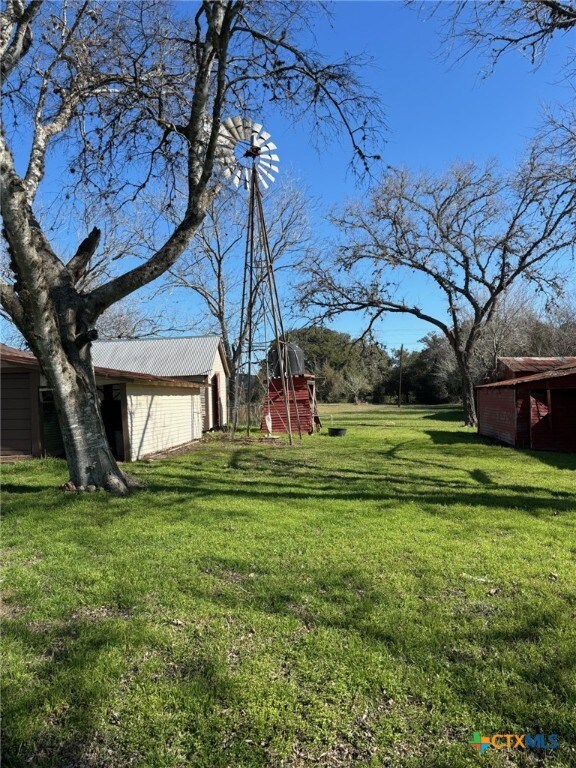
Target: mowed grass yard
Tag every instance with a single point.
(370, 601)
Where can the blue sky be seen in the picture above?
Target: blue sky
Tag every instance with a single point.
(438, 112)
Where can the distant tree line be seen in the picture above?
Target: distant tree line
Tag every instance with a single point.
(350, 370)
(346, 370)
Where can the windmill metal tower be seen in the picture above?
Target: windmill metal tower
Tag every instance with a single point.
(249, 161)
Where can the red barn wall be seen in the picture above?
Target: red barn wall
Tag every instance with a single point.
(519, 415)
(522, 419)
(557, 431)
(497, 414)
(302, 409)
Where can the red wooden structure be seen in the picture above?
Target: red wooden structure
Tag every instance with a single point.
(537, 411)
(519, 367)
(301, 400)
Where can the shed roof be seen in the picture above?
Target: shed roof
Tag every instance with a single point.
(19, 357)
(536, 364)
(13, 355)
(565, 370)
(178, 356)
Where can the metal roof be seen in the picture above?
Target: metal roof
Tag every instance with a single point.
(28, 360)
(536, 364)
(566, 370)
(178, 356)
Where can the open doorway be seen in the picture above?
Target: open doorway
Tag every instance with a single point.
(111, 411)
(215, 402)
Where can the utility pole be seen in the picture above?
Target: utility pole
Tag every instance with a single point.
(400, 377)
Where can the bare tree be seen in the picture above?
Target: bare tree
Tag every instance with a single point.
(133, 319)
(506, 334)
(495, 27)
(213, 265)
(122, 97)
(519, 327)
(552, 332)
(127, 319)
(472, 233)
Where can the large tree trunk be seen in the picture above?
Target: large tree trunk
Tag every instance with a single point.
(468, 393)
(58, 331)
(90, 460)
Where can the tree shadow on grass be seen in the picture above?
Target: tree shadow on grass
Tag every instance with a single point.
(338, 602)
(54, 717)
(270, 479)
(446, 414)
(440, 437)
(276, 478)
(70, 711)
(431, 495)
(481, 477)
(21, 488)
(348, 601)
(556, 459)
(92, 675)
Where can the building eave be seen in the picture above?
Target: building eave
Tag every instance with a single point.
(544, 377)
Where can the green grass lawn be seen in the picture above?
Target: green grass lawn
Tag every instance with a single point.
(369, 600)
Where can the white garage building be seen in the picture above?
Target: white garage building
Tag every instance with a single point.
(142, 413)
(198, 359)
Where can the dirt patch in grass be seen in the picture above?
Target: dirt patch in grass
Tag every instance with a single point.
(9, 609)
(222, 438)
(181, 450)
(100, 613)
(353, 748)
(36, 558)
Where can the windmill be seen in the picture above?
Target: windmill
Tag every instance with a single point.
(249, 161)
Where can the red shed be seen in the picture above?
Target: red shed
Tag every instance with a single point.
(537, 411)
(519, 367)
(304, 409)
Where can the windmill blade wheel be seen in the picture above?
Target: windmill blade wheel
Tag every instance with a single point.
(244, 146)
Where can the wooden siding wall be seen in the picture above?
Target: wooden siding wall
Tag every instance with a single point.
(20, 414)
(522, 419)
(161, 417)
(556, 432)
(275, 403)
(540, 424)
(497, 414)
(205, 407)
(538, 414)
(16, 420)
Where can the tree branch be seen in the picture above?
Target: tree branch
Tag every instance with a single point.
(11, 303)
(78, 263)
(21, 41)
